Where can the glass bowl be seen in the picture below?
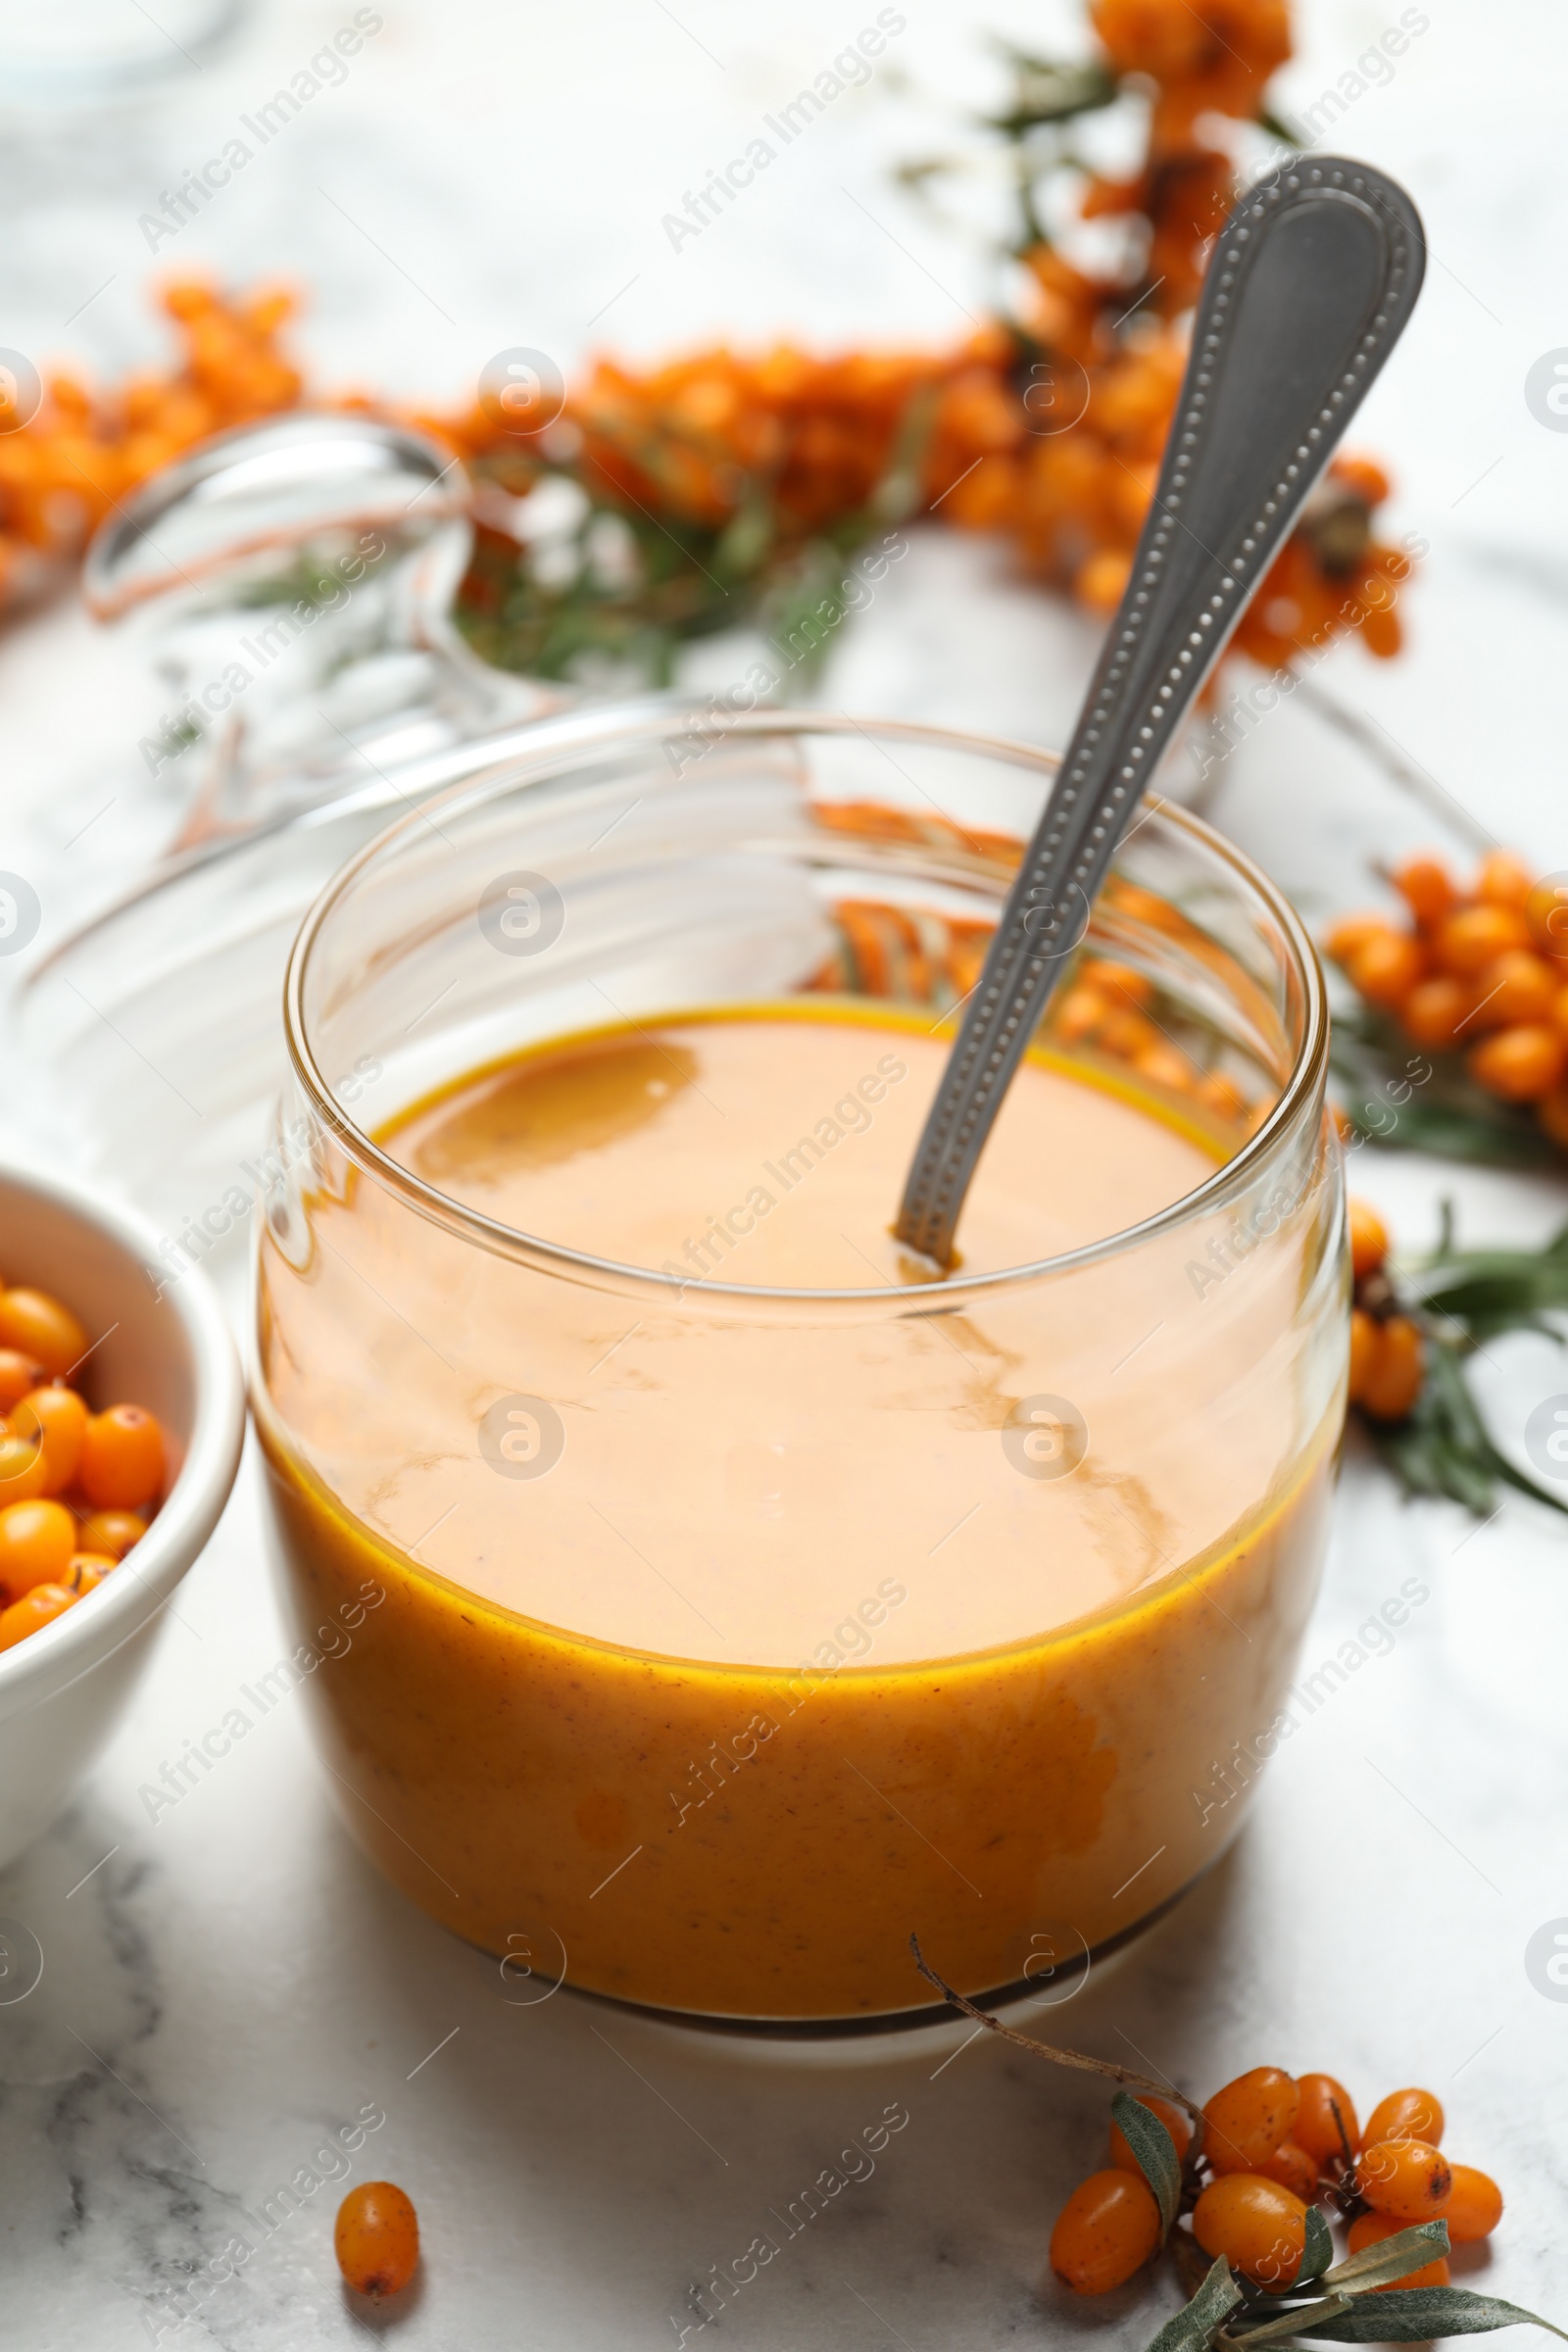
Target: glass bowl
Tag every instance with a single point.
(710, 1638)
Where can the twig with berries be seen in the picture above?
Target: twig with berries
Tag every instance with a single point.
(1411, 1336)
(1242, 2190)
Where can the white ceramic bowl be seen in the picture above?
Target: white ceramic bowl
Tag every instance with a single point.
(64, 1689)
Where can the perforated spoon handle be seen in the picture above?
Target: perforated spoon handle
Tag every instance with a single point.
(1308, 291)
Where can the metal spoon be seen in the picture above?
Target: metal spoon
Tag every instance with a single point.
(1308, 291)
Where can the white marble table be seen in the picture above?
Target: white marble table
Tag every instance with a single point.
(225, 1987)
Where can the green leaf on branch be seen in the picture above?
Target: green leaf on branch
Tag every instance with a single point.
(1413, 2315)
(1154, 2152)
(1192, 2328)
(1427, 1102)
(1318, 2252)
(1443, 1446)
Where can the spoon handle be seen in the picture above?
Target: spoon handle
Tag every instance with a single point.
(1310, 285)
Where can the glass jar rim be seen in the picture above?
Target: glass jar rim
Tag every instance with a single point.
(559, 740)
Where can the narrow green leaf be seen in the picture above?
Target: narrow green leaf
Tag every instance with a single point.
(1303, 2320)
(1375, 2265)
(1413, 2315)
(1192, 2328)
(1318, 2252)
(1154, 2151)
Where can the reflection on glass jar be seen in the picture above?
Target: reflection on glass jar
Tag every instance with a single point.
(737, 1596)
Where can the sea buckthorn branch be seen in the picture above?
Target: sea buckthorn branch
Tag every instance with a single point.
(1247, 2175)
(719, 488)
(1411, 1337)
(1125, 2075)
(1474, 972)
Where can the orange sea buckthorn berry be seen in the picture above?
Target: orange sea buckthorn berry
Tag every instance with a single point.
(376, 2239)
(18, 1374)
(23, 1467)
(1165, 1066)
(1169, 2114)
(1519, 1064)
(1546, 914)
(1386, 969)
(1470, 939)
(1351, 933)
(1426, 886)
(1107, 2229)
(1504, 880)
(36, 1542)
(1120, 982)
(1293, 2168)
(1394, 1383)
(1079, 1014)
(1258, 2224)
(1407, 2177)
(38, 1325)
(113, 1532)
(122, 1457)
(1126, 1032)
(1519, 986)
(1552, 1113)
(1316, 2130)
(1473, 2206)
(1436, 1011)
(35, 1609)
(1369, 1239)
(1558, 1015)
(1371, 2229)
(1405, 2115)
(1245, 2120)
(87, 1570)
(1366, 1346)
(56, 1418)
(1220, 1095)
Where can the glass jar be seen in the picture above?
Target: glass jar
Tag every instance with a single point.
(877, 1718)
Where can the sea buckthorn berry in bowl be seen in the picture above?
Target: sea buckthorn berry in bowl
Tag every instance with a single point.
(1405, 2115)
(122, 1458)
(1258, 2224)
(1107, 2229)
(1406, 2178)
(113, 1532)
(19, 1373)
(23, 1467)
(1369, 1239)
(38, 1325)
(36, 1542)
(56, 1418)
(34, 1611)
(1372, 2229)
(1245, 2120)
(1473, 2206)
(76, 1633)
(87, 1571)
(376, 2239)
(1332, 2139)
(1169, 2114)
